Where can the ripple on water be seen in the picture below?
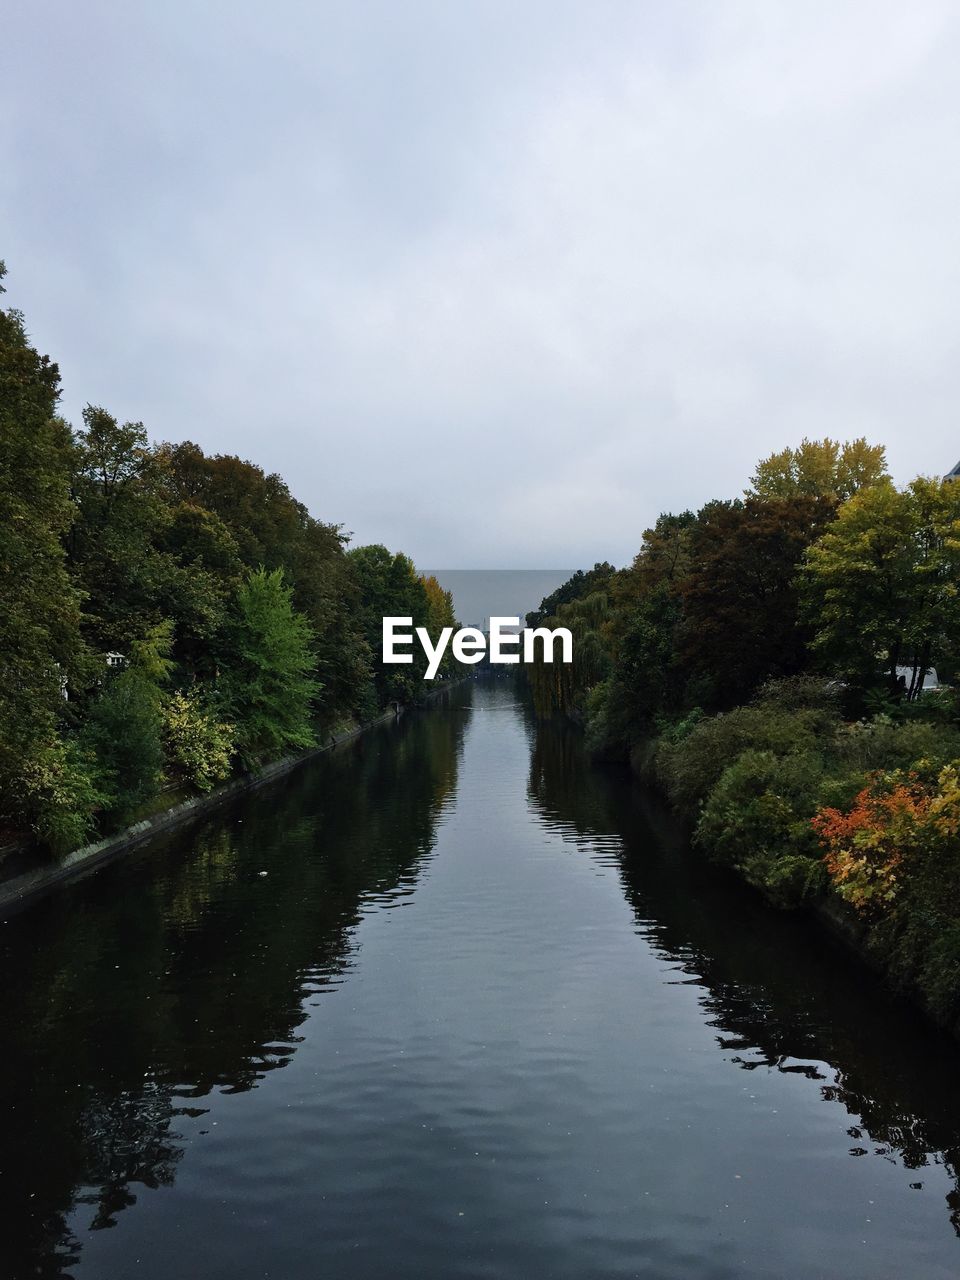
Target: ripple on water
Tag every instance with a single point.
(574, 1052)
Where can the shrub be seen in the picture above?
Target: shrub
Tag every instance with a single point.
(895, 820)
(62, 794)
(597, 726)
(919, 943)
(124, 732)
(894, 854)
(690, 768)
(197, 744)
(675, 731)
(757, 819)
(800, 693)
(791, 878)
(881, 743)
(367, 707)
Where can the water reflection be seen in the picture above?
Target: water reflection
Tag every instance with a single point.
(532, 1052)
(781, 995)
(132, 996)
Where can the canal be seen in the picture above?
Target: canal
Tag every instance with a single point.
(451, 1003)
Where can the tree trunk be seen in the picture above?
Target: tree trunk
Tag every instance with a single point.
(894, 659)
(919, 675)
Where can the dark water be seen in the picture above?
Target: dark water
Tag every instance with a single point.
(481, 1018)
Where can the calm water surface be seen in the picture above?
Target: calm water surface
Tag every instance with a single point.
(449, 1003)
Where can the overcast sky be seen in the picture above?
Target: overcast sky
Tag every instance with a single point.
(494, 283)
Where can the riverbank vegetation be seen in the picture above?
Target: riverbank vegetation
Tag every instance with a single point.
(167, 617)
(763, 662)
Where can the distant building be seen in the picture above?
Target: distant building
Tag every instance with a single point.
(954, 474)
(115, 660)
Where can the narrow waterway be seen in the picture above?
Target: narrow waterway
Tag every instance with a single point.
(450, 1003)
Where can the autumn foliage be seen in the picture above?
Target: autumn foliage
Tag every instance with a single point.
(893, 823)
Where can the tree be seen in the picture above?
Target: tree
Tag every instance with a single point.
(820, 468)
(263, 516)
(881, 584)
(576, 587)
(326, 593)
(268, 526)
(440, 614)
(665, 555)
(113, 542)
(204, 573)
(644, 630)
(197, 574)
(40, 648)
(648, 670)
(267, 686)
(740, 602)
(562, 688)
(388, 586)
(124, 728)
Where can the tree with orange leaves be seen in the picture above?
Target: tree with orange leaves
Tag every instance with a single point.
(897, 818)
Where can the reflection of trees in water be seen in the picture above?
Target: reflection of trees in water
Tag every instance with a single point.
(129, 1139)
(133, 994)
(782, 996)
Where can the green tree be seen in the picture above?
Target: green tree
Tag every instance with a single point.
(269, 527)
(141, 553)
(61, 786)
(643, 633)
(881, 584)
(124, 728)
(267, 685)
(40, 649)
(113, 542)
(258, 508)
(388, 586)
(649, 672)
(562, 688)
(577, 586)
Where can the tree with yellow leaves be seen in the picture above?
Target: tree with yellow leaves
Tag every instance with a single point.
(820, 469)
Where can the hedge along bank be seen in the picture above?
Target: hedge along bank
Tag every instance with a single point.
(470, 643)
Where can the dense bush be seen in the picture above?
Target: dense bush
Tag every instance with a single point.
(752, 780)
(63, 794)
(757, 820)
(798, 802)
(689, 768)
(894, 855)
(883, 743)
(198, 745)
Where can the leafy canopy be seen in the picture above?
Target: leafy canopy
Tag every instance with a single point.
(820, 469)
(267, 686)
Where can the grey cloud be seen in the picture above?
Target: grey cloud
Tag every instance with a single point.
(493, 283)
